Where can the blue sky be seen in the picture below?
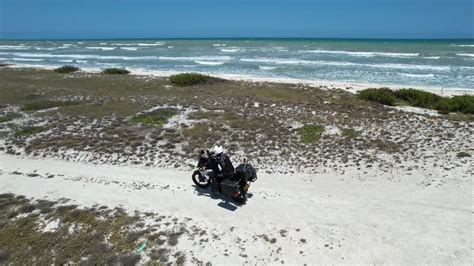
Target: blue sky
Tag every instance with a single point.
(78, 19)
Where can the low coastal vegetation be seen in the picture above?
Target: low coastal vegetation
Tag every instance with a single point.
(156, 117)
(9, 117)
(44, 104)
(384, 96)
(262, 122)
(29, 131)
(189, 79)
(115, 71)
(463, 154)
(43, 232)
(66, 69)
(310, 134)
(350, 133)
(418, 98)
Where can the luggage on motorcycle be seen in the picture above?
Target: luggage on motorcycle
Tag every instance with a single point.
(247, 172)
(230, 187)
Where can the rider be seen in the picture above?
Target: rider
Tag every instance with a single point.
(221, 162)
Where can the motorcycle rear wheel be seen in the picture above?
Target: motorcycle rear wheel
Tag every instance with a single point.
(241, 199)
(200, 181)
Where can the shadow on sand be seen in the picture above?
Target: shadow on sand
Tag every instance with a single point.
(225, 202)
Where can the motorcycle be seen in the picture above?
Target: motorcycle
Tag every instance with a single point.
(235, 187)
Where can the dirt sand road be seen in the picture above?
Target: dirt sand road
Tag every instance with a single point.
(289, 218)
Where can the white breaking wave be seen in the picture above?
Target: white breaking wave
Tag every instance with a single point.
(14, 47)
(468, 55)
(65, 60)
(219, 44)
(83, 56)
(463, 45)
(101, 48)
(229, 50)
(46, 49)
(417, 75)
(266, 67)
(282, 61)
(28, 59)
(129, 48)
(362, 54)
(210, 63)
(196, 58)
(151, 44)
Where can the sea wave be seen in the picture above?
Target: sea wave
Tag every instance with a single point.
(46, 48)
(151, 44)
(14, 47)
(138, 44)
(210, 63)
(129, 48)
(66, 60)
(219, 44)
(82, 56)
(362, 54)
(229, 50)
(28, 59)
(284, 61)
(196, 58)
(100, 48)
(463, 45)
(266, 68)
(468, 55)
(417, 75)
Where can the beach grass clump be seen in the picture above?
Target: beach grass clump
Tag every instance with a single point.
(418, 98)
(156, 117)
(463, 154)
(44, 104)
(461, 103)
(66, 69)
(115, 71)
(383, 95)
(9, 117)
(189, 79)
(310, 134)
(29, 131)
(350, 133)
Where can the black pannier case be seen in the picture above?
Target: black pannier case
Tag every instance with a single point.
(230, 187)
(246, 171)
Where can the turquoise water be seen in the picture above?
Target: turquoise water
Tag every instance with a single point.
(447, 64)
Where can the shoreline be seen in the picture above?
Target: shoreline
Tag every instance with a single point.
(352, 87)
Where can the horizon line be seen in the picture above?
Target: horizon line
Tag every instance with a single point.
(240, 38)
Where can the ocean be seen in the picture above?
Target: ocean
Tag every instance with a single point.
(447, 64)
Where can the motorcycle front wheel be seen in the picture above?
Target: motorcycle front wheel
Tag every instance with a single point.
(199, 180)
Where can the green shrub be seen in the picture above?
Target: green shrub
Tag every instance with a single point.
(418, 98)
(189, 79)
(463, 154)
(45, 104)
(383, 96)
(350, 133)
(310, 133)
(28, 131)
(115, 71)
(9, 117)
(66, 69)
(462, 103)
(158, 116)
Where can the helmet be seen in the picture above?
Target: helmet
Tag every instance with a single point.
(216, 150)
